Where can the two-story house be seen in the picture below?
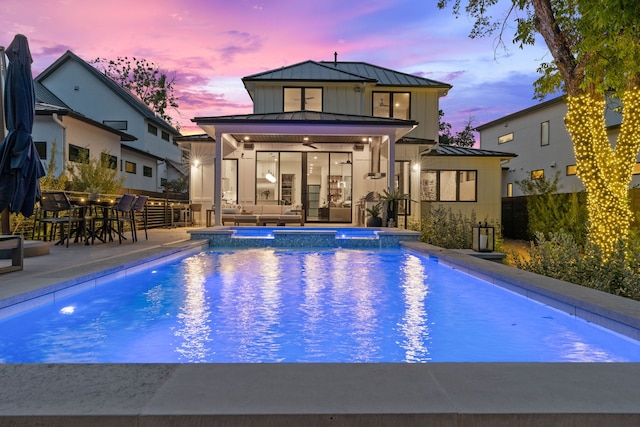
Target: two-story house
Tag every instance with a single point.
(540, 139)
(147, 160)
(326, 136)
(57, 124)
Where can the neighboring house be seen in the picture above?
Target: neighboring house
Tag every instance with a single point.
(72, 133)
(540, 139)
(89, 92)
(325, 135)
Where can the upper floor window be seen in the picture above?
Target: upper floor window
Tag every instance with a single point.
(165, 135)
(302, 98)
(571, 170)
(449, 186)
(41, 148)
(537, 174)
(78, 154)
(505, 138)
(544, 133)
(109, 160)
(116, 124)
(392, 104)
(152, 129)
(147, 171)
(130, 167)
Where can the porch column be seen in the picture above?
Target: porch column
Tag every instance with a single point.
(217, 181)
(391, 166)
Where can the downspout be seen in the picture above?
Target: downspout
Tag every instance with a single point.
(64, 140)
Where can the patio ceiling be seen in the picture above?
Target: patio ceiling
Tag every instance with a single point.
(282, 138)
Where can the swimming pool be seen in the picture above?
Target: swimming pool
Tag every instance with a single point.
(290, 305)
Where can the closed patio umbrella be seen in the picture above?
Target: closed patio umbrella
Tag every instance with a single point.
(20, 167)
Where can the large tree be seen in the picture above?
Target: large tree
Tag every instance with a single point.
(145, 79)
(595, 46)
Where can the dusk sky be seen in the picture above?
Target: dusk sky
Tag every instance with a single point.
(211, 44)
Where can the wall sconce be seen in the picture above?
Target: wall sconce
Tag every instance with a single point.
(483, 238)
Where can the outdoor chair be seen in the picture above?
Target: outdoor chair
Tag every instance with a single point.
(56, 210)
(121, 214)
(140, 206)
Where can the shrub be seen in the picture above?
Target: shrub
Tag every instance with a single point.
(550, 211)
(441, 227)
(558, 255)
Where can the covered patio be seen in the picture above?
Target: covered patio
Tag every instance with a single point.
(320, 164)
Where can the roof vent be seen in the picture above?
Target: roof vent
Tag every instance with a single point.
(335, 59)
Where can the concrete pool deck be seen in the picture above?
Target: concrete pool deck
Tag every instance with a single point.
(434, 394)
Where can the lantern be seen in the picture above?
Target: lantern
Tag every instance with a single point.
(483, 238)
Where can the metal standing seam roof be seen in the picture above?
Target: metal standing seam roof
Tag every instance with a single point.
(45, 96)
(344, 72)
(385, 76)
(306, 117)
(452, 150)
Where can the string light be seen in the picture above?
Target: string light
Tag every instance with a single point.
(605, 171)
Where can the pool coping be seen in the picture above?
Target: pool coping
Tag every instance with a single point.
(49, 285)
(436, 394)
(613, 312)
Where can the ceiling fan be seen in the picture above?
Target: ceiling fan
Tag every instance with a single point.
(310, 144)
(348, 161)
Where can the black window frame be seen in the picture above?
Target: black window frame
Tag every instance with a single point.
(116, 124)
(303, 97)
(41, 148)
(111, 160)
(135, 167)
(458, 172)
(391, 103)
(75, 153)
(147, 171)
(152, 129)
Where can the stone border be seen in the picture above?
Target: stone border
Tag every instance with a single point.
(619, 314)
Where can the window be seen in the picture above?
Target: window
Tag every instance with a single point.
(571, 170)
(505, 138)
(509, 189)
(163, 182)
(152, 129)
(41, 148)
(78, 154)
(165, 135)
(116, 124)
(636, 169)
(129, 167)
(302, 98)
(392, 104)
(449, 186)
(544, 133)
(110, 160)
(537, 174)
(147, 171)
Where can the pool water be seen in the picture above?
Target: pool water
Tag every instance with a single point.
(276, 305)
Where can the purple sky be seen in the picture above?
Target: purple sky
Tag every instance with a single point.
(211, 44)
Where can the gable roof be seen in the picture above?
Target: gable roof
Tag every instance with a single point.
(45, 96)
(124, 94)
(500, 121)
(385, 76)
(358, 72)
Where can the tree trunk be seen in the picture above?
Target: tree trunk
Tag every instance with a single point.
(605, 171)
